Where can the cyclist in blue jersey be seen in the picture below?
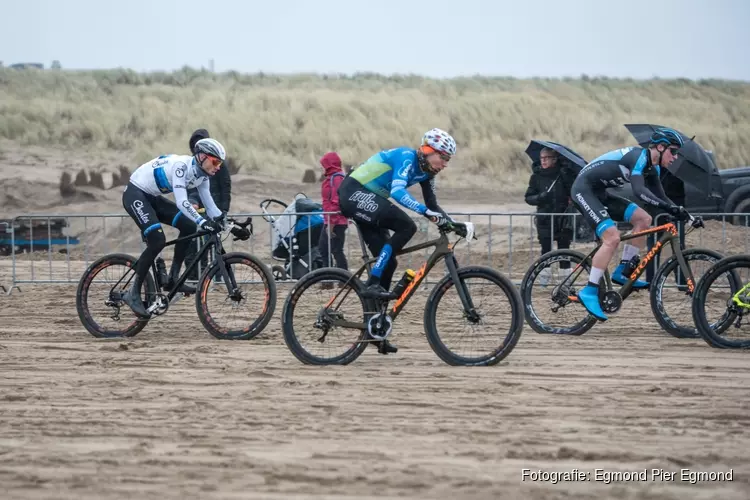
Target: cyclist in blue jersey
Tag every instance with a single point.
(364, 196)
(640, 167)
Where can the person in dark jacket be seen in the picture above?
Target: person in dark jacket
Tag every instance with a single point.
(221, 192)
(549, 190)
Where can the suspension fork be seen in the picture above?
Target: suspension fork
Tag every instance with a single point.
(229, 280)
(683, 265)
(463, 294)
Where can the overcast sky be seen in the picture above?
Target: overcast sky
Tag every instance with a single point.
(440, 38)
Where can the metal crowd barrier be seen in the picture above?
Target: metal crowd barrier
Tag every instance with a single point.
(508, 242)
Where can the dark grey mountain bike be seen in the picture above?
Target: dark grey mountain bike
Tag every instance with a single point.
(109, 316)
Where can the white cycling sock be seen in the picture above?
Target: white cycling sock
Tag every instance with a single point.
(595, 275)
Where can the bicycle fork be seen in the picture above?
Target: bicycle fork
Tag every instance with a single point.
(225, 272)
(469, 311)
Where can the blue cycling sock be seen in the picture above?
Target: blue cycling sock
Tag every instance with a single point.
(383, 258)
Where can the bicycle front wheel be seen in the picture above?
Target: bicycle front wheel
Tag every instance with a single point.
(241, 309)
(453, 332)
(715, 297)
(671, 300)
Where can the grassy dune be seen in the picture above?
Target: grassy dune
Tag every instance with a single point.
(281, 124)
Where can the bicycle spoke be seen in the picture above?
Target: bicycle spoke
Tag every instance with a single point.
(325, 319)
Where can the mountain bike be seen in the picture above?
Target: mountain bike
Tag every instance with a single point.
(562, 297)
(223, 281)
(349, 326)
(724, 291)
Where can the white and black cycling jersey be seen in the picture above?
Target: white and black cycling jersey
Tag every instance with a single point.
(176, 174)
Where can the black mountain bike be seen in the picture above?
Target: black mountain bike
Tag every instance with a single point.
(562, 299)
(230, 304)
(343, 328)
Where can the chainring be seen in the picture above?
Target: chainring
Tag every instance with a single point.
(611, 302)
(382, 331)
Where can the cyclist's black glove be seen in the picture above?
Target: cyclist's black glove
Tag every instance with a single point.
(678, 212)
(212, 227)
(221, 220)
(241, 233)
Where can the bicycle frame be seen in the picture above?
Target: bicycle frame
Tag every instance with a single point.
(213, 241)
(670, 236)
(443, 250)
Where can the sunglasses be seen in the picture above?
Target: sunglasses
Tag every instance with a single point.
(444, 157)
(216, 162)
(674, 151)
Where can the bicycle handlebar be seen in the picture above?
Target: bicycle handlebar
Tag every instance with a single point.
(234, 223)
(694, 221)
(454, 227)
(243, 225)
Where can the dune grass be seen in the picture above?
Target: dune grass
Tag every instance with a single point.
(280, 125)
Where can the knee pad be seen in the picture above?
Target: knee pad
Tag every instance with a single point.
(155, 238)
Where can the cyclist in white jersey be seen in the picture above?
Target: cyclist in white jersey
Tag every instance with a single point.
(144, 202)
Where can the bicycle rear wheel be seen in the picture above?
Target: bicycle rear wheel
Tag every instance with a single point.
(547, 304)
(312, 327)
(245, 311)
(714, 297)
(98, 298)
(493, 296)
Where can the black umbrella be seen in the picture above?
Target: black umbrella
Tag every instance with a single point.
(535, 148)
(693, 164)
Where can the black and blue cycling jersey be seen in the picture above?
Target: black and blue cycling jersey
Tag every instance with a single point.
(614, 169)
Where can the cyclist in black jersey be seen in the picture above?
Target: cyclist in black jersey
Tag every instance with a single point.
(640, 167)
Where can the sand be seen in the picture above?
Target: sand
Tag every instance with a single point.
(175, 413)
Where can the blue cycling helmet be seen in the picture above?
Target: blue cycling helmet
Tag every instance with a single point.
(667, 136)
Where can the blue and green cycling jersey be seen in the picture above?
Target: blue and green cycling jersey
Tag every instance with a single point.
(388, 174)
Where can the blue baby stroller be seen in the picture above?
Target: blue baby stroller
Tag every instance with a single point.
(295, 238)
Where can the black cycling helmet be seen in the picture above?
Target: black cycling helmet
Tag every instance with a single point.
(667, 136)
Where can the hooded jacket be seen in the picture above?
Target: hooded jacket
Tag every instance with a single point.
(329, 188)
(558, 197)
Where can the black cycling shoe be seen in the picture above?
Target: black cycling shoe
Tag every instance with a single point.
(385, 347)
(377, 292)
(133, 299)
(186, 289)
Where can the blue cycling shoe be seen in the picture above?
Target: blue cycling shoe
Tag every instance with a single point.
(619, 278)
(589, 297)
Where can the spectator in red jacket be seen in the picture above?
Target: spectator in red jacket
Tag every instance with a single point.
(335, 224)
